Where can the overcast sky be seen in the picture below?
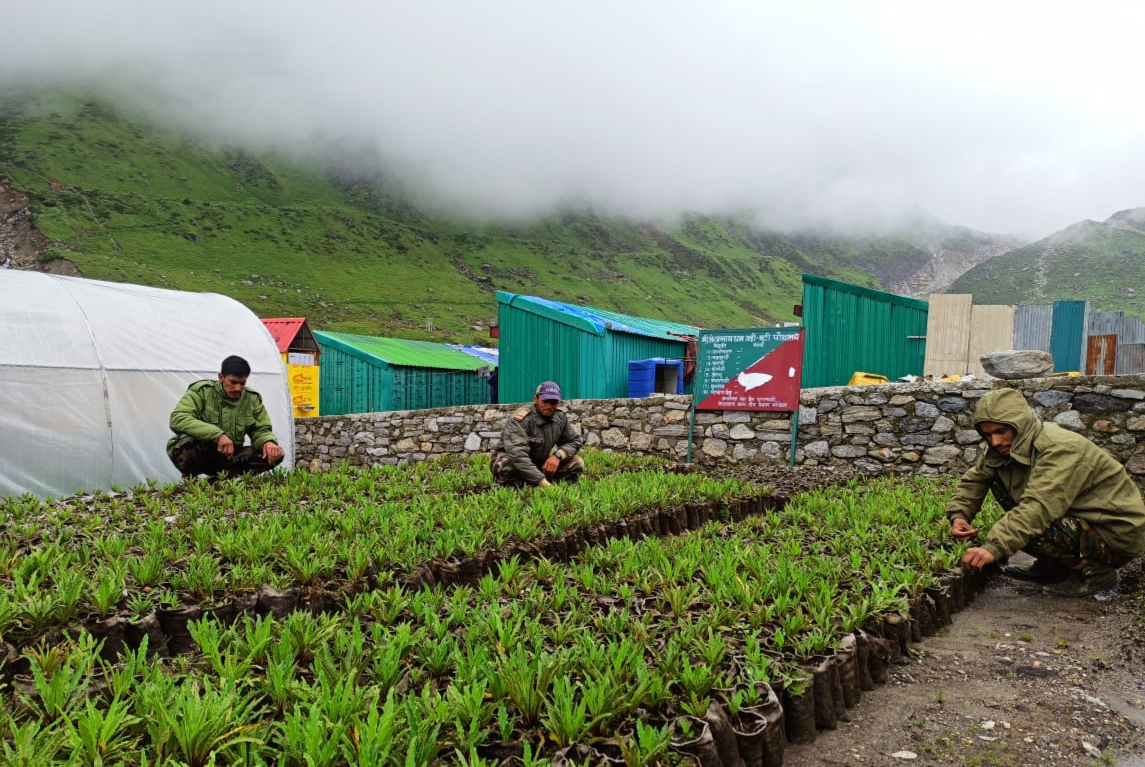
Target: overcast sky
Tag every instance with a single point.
(1018, 117)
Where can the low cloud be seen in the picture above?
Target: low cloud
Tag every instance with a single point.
(1022, 119)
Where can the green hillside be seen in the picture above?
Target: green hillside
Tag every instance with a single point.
(1100, 262)
(126, 200)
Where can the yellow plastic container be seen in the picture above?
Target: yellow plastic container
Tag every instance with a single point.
(860, 379)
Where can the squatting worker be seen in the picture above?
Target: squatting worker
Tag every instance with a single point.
(538, 444)
(1067, 502)
(212, 421)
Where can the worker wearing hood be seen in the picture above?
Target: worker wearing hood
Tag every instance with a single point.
(1067, 501)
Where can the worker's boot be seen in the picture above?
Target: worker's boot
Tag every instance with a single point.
(1040, 571)
(184, 454)
(1094, 577)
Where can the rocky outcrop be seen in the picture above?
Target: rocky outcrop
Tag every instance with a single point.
(21, 241)
(950, 257)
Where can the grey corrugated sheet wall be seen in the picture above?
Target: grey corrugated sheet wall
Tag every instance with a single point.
(1131, 331)
(1105, 323)
(1032, 326)
(1130, 359)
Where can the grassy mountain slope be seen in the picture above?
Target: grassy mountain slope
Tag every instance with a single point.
(126, 200)
(1103, 262)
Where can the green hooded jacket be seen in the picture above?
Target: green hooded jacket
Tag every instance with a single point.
(205, 412)
(1050, 473)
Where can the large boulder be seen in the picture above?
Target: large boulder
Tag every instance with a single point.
(1018, 363)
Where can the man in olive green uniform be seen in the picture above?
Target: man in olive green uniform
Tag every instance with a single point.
(538, 444)
(212, 421)
(1067, 502)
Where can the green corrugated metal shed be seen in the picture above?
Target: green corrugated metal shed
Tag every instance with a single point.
(852, 329)
(366, 374)
(585, 350)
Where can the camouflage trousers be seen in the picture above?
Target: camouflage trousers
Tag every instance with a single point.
(504, 473)
(1070, 540)
(193, 457)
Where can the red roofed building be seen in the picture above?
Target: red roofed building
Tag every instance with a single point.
(300, 352)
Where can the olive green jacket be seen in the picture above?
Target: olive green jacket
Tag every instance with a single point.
(1050, 473)
(528, 438)
(205, 412)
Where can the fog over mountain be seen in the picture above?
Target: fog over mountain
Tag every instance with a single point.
(1017, 117)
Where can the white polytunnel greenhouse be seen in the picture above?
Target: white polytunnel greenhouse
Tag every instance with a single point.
(90, 371)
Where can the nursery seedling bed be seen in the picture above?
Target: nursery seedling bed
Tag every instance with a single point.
(699, 608)
(79, 563)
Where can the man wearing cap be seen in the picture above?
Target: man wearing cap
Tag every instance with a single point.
(538, 444)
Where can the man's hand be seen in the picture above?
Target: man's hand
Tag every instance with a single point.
(544, 483)
(226, 447)
(272, 452)
(963, 530)
(550, 466)
(977, 558)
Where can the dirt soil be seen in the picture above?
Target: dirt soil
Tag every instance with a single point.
(1021, 677)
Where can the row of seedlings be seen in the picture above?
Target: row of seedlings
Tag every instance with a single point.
(223, 553)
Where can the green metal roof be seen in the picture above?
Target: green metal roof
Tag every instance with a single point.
(399, 351)
(597, 321)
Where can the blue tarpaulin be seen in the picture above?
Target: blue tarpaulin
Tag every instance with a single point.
(488, 353)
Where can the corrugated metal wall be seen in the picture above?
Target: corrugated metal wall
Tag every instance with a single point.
(991, 330)
(1067, 338)
(849, 329)
(417, 388)
(1130, 359)
(947, 341)
(981, 329)
(534, 348)
(349, 384)
(1032, 326)
(1100, 355)
(1105, 323)
(1131, 331)
(1130, 346)
(958, 334)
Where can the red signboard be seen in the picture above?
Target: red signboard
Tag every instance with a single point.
(750, 369)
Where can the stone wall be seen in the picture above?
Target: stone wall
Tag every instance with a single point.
(901, 427)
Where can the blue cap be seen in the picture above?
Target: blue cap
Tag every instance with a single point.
(549, 390)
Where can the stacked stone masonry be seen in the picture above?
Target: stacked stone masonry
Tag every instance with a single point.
(922, 428)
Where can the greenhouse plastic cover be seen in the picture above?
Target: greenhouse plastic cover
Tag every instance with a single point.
(90, 371)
